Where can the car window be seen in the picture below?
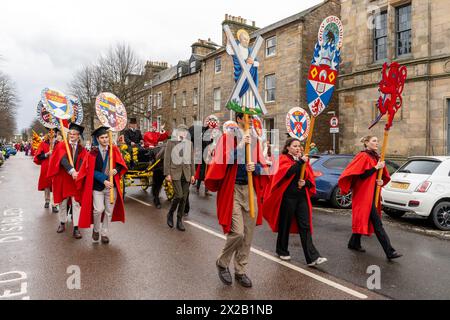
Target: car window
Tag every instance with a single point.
(392, 167)
(312, 160)
(337, 163)
(420, 167)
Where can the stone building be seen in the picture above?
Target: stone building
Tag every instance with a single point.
(200, 86)
(416, 34)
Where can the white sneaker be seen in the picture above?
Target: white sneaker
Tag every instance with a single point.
(319, 260)
(285, 258)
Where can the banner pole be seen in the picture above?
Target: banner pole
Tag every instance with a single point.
(308, 146)
(69, 155)
(248, 159)
(380, 172)
(111, 191)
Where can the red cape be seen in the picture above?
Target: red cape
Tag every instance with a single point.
(274, 194)
(63, 184)
(363, 191)
(220, 177)
(44, 181)
(85, 184)
(151, 139)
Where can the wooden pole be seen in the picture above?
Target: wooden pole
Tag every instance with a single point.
(380, 172)
(51, 138)
(111, 191)
(308, 146)
(248, 159)
(69, 155)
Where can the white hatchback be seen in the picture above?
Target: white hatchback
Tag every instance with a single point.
(420, 186)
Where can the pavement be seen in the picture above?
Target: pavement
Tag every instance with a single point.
(148, 260)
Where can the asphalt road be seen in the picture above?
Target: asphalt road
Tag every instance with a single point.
(147, 260)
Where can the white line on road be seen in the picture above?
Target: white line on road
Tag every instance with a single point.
(275, 259)
(140, 201)
(323, 209)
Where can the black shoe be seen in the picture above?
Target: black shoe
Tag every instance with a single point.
(170, 219)
(104, 239)
(55, 209)
(224, 275)
(47, 205)
(76, 233)
(61, 228)
(358, 249)
(394, 255)
(180, 225)
(243, 280)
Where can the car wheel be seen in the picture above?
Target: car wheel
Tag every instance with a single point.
(341, 201)
(441, 216)
(393, 213)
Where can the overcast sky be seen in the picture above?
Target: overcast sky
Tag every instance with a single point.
(43, 43)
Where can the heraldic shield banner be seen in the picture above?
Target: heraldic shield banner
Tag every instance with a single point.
(324, 69)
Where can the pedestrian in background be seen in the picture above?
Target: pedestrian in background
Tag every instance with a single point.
(179, 169)
(314, 149)
(360, 176)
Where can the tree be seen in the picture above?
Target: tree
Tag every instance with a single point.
(8, 106)
(119, 71)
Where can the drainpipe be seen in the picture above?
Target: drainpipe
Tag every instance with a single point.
(428, 140)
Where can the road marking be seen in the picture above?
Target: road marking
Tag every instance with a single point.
(140, 201)
(323, 209)
(275, 259)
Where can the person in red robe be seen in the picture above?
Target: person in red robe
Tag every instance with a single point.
(360, 176)
(287, 204)
(93, 183)
(153, 137)
(64, 174)
(42, 158)
(227, 175)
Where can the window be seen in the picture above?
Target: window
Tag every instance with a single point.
(193, 66)
(174, 101)
(217, 99)
(403, 28)
(155, 99)
(269, 82)
(269, 125)
(180, 71)
(149, 106)
(337, 163)
(195, 97)
(184, 121)
(174, 123)
(426, 167)
(159, 102)
(271, 46)
(184, 99)
(194, 119)
(158, 122)
(380, 37)
(218, 64)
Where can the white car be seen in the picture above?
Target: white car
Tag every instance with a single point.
(420, 186)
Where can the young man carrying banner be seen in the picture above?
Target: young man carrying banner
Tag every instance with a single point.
(93, 182)
(42, 158)
(64, 175)
(227, 175)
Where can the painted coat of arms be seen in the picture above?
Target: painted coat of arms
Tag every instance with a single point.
(324, 68)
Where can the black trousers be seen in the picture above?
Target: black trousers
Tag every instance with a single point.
(383, 238)
(158, 180)
(295, 208)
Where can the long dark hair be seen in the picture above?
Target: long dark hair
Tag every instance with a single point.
(287, 144)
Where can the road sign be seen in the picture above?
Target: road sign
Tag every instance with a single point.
(334, 122)
(334, 130)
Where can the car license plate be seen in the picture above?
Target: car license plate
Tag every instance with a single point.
(400, 185)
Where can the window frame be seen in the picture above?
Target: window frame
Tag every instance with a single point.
(184, 99)
(194, 68)
(159, 100)
(399, 32)
(274, 88)
(217, 108)
(195, 97)
(378, 38)
(216, 64)
(268, 55)
(174, 101)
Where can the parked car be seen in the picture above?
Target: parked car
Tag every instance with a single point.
(421, 186)
(10, 150)
(327, 170)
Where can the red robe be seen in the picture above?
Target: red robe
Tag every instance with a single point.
(274, 194)
(44, 181)
(85, 184)
(363, 191)
(151, 139)
(220, 177)
(63, 183)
